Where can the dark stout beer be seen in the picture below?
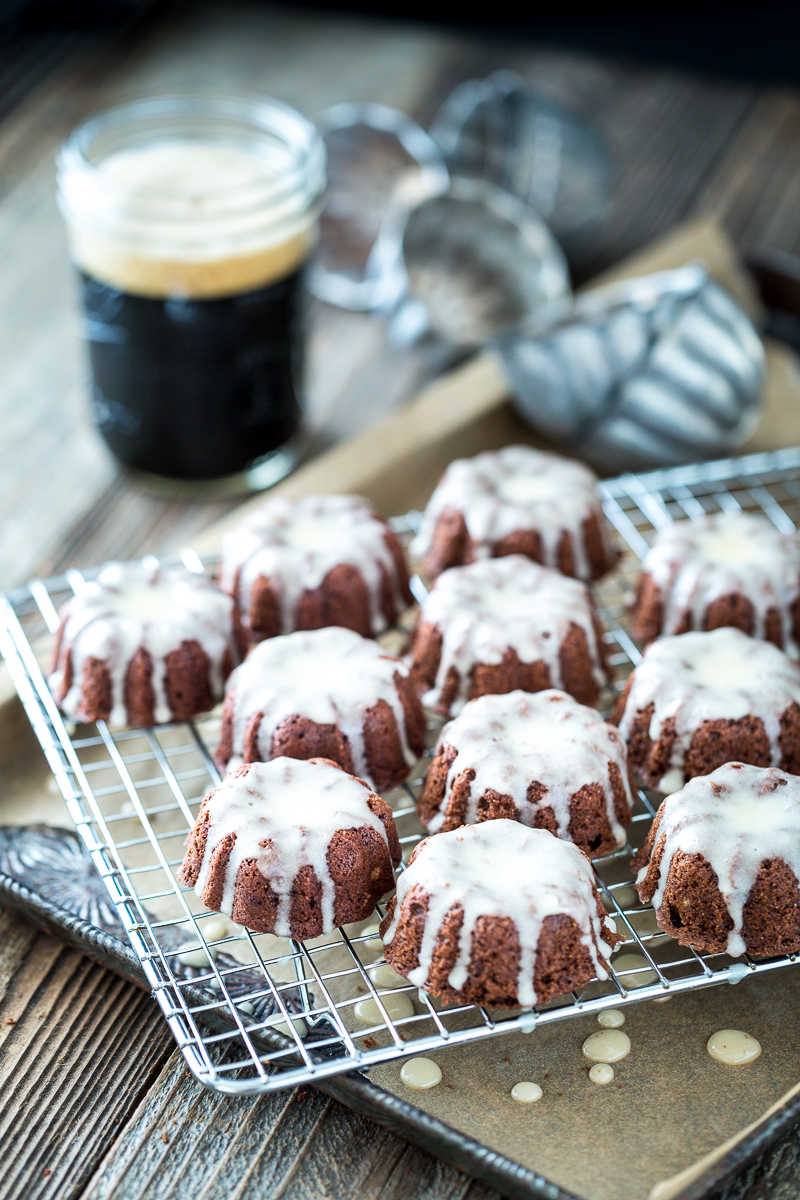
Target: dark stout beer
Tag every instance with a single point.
(190, 221)
(195, 389)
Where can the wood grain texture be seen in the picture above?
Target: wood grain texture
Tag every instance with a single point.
(91, 1089)
(78, 1049)
(188, 1144)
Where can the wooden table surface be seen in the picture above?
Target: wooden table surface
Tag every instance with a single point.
(96, 1103)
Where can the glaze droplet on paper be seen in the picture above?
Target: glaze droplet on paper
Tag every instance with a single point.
(601, 1073)
(420, 1074)
(733, 1046)
(607, 1046)
(526, 1092)
(398, 1006)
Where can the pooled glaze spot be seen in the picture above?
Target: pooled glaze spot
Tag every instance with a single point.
(526, 1092)
(641, 971)
(420, 1074)
(608, 1046)
(398, 1005)
(611, 1018)
(601, 1073)
(384, 976)
(733, 1046)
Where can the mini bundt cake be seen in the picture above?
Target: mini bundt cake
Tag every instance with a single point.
(724, 569)
(312, 561)
(324, 693)
(505, 623)
(290, 847)
(698, 700)
(144, 644)
(542, 759)
(721, 862)
(497, 914)
(516, 501)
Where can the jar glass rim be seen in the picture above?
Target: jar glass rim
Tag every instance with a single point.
(238, 113)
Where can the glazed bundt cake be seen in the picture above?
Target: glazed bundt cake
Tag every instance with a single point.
(516, 501)
(324, 693)
(497, 914)
(295, 848)
(542, 759)
(721, 862)
(312, 561)
(505, 623)
(699, 700)
(724, 569)
(143, 644)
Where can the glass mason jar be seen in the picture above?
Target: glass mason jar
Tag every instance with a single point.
(190, 219)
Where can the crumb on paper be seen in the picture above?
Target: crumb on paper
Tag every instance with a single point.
(47, 1171)
(165, 1139)
(369, 1043)
(301, 1095)
(10, 1020)
(508, 1060)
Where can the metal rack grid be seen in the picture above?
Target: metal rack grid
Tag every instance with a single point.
(253, 1014)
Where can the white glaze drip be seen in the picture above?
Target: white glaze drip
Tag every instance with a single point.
(138, 605)
(695, 562)
(295, 542)
(737, 817)
(720, 675)
(519, 738)
(517, 488)
(501, 869)
(331, 676)
(495, 604)
(283, 815)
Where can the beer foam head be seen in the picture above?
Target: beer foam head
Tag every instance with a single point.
(191, 212)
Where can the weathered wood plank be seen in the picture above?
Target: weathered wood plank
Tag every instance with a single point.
(187, 1144)
(82, 1048)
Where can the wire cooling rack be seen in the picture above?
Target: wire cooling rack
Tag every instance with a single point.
(252, 1013)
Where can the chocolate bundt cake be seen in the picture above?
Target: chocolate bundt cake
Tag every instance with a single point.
(721, 862)
(143, 644)
(516, 501)
(542, 759)
(324, 693)
(699, 700)
(295, 848)
(312, 561)
(497, 914)
(724, 569)
(505, 623)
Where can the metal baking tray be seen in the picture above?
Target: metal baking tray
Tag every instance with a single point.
(251, 1015)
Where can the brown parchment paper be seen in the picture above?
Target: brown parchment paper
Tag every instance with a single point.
(671, 1108)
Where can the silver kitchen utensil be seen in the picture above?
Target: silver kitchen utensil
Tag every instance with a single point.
(653, 371)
